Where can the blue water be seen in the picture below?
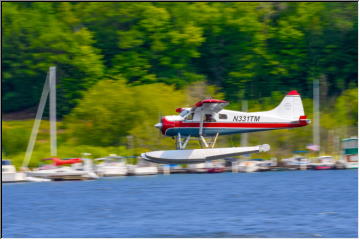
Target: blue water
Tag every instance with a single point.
(265, 204)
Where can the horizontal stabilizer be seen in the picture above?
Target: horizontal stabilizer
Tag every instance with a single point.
(200, 155)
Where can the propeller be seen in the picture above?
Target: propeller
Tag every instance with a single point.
(159, 124)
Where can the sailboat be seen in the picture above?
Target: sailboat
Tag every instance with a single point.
(54, 172)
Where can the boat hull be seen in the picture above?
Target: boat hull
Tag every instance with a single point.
(12, 177)
(63, 174)
(140, 171)
(216, 170)
(112, 172)
(323, 167)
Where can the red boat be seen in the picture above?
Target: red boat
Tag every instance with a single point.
(59, 162)
(325, 163)
(323, 167)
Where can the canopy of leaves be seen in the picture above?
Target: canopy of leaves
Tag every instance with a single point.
(111, 111)
(36, 37)
(248, 50)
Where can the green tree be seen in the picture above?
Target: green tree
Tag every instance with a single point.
(103, 116)
(35, 38)
(111, 111)
(145, 42)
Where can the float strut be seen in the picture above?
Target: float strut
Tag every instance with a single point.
(216, 136)
(178, 142)
(204, 141)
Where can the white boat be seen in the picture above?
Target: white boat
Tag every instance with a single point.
(349, 153)
(298, 162)
(197, 167)
(248, 166)
(36, 179)
(9, 174)
(74, 172)
(111, 166)
(266, 165)
(351, 165)
(142, 168)
(207, 167)
(350, 162)
(172, 168)
(61, 173)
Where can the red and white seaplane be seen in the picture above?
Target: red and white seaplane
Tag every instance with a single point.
(208, 119)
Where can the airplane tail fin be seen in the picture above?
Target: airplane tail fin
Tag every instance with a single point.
(290, 107)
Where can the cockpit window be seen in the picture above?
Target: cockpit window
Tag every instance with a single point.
(190, 116)
(184, 113)
(222, 116)
(209, 118)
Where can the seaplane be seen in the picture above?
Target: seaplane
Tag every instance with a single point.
(208, 119)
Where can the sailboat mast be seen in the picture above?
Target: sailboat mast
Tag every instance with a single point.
(244, 136)
(37, 122)
(316, 110)
(52, 97)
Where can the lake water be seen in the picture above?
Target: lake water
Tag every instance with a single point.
(264, 204)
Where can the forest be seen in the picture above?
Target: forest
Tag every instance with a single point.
(122, 65)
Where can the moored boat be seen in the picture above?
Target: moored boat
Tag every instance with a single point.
(297, 162)
(57, 172)
(323, 167)
(349, 154)
(217, 166)
(324, 163)
(248, 166)
(9, 174)
(142, 168)
(216, 170)
(111, 166)
(197, 168)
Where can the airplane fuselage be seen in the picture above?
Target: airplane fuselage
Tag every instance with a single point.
(227, 122)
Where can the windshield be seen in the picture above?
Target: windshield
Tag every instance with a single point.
(184, 113)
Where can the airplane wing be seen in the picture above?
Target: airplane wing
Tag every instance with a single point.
(210, 105)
